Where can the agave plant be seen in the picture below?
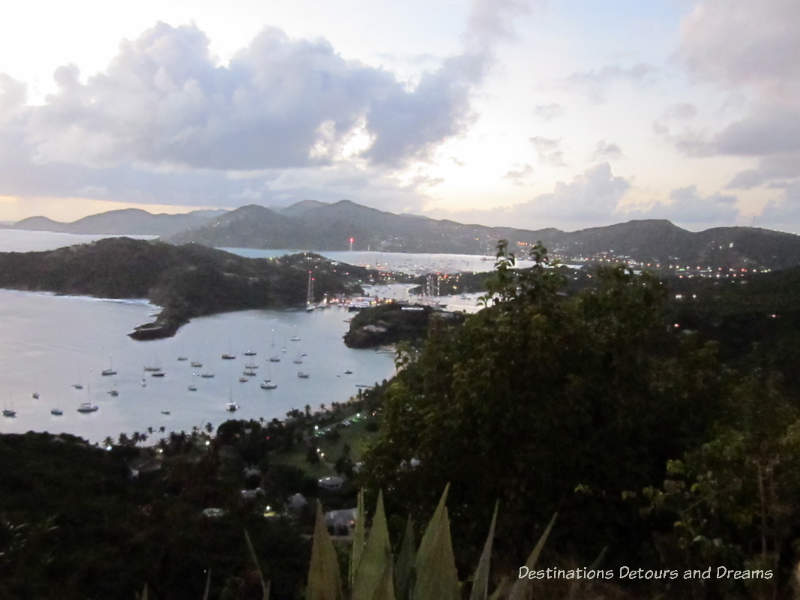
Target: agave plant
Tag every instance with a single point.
(425, 573)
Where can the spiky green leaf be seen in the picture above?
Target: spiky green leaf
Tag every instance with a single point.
(522, 589)
(385, 589)
(376, 560)
(404, 567)
(502, 590)
(437, 516)
(358, 538)
(480, 582)
(435, 566)
(324, 579)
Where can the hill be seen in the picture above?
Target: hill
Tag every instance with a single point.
(319, 226)
(129, 221)
(186, 281)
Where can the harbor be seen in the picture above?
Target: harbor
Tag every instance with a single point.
(58, 347)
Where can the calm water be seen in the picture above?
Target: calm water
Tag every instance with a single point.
(414, 264)
(48, 343)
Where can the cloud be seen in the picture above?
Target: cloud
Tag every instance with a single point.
(165, 122)
(680, 111)
(783, 214)
(748, 48)
(770, 169)
(743, 42)
(164, 101)
(607, 151)
(518, 176)
(595, 82)
(13, 94)
(762, 133)
(549, 151)
(687, 207)
(589, 199)
(548, 112)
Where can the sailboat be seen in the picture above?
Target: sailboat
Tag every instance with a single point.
(268, 384)
(231, 406)
(310, 293)
(228, 355)
(154, 367)
(9, 412)
(87, 407)
(110, 370)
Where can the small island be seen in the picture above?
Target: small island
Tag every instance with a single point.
(391, 323)
(185, 281)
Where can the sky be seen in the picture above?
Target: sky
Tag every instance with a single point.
(528, 113)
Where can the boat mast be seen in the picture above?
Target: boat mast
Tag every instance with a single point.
(310, 293)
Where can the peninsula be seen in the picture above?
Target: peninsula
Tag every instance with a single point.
(185, 281)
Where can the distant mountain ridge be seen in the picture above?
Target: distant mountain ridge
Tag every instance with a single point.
(319, 226)
(314, 225)
(127, 221)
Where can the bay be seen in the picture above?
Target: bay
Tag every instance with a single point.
(48, 343)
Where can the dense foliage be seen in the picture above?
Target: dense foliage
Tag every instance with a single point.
(578, 402)
(393, 323)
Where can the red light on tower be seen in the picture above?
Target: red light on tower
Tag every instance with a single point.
(352, 239)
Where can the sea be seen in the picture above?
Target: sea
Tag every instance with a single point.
(53, 349)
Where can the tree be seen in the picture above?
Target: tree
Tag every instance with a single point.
(547, 401)
(733, 499)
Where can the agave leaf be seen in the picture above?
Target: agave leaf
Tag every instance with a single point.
(358, 538)
(480, 582)
(385, 589)
(522, 589)
(435, 567)
(208, 585)
(437, 516)
(502, 589)
(324, 579)
(404, 568)
(264, 585)
(376, 560)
